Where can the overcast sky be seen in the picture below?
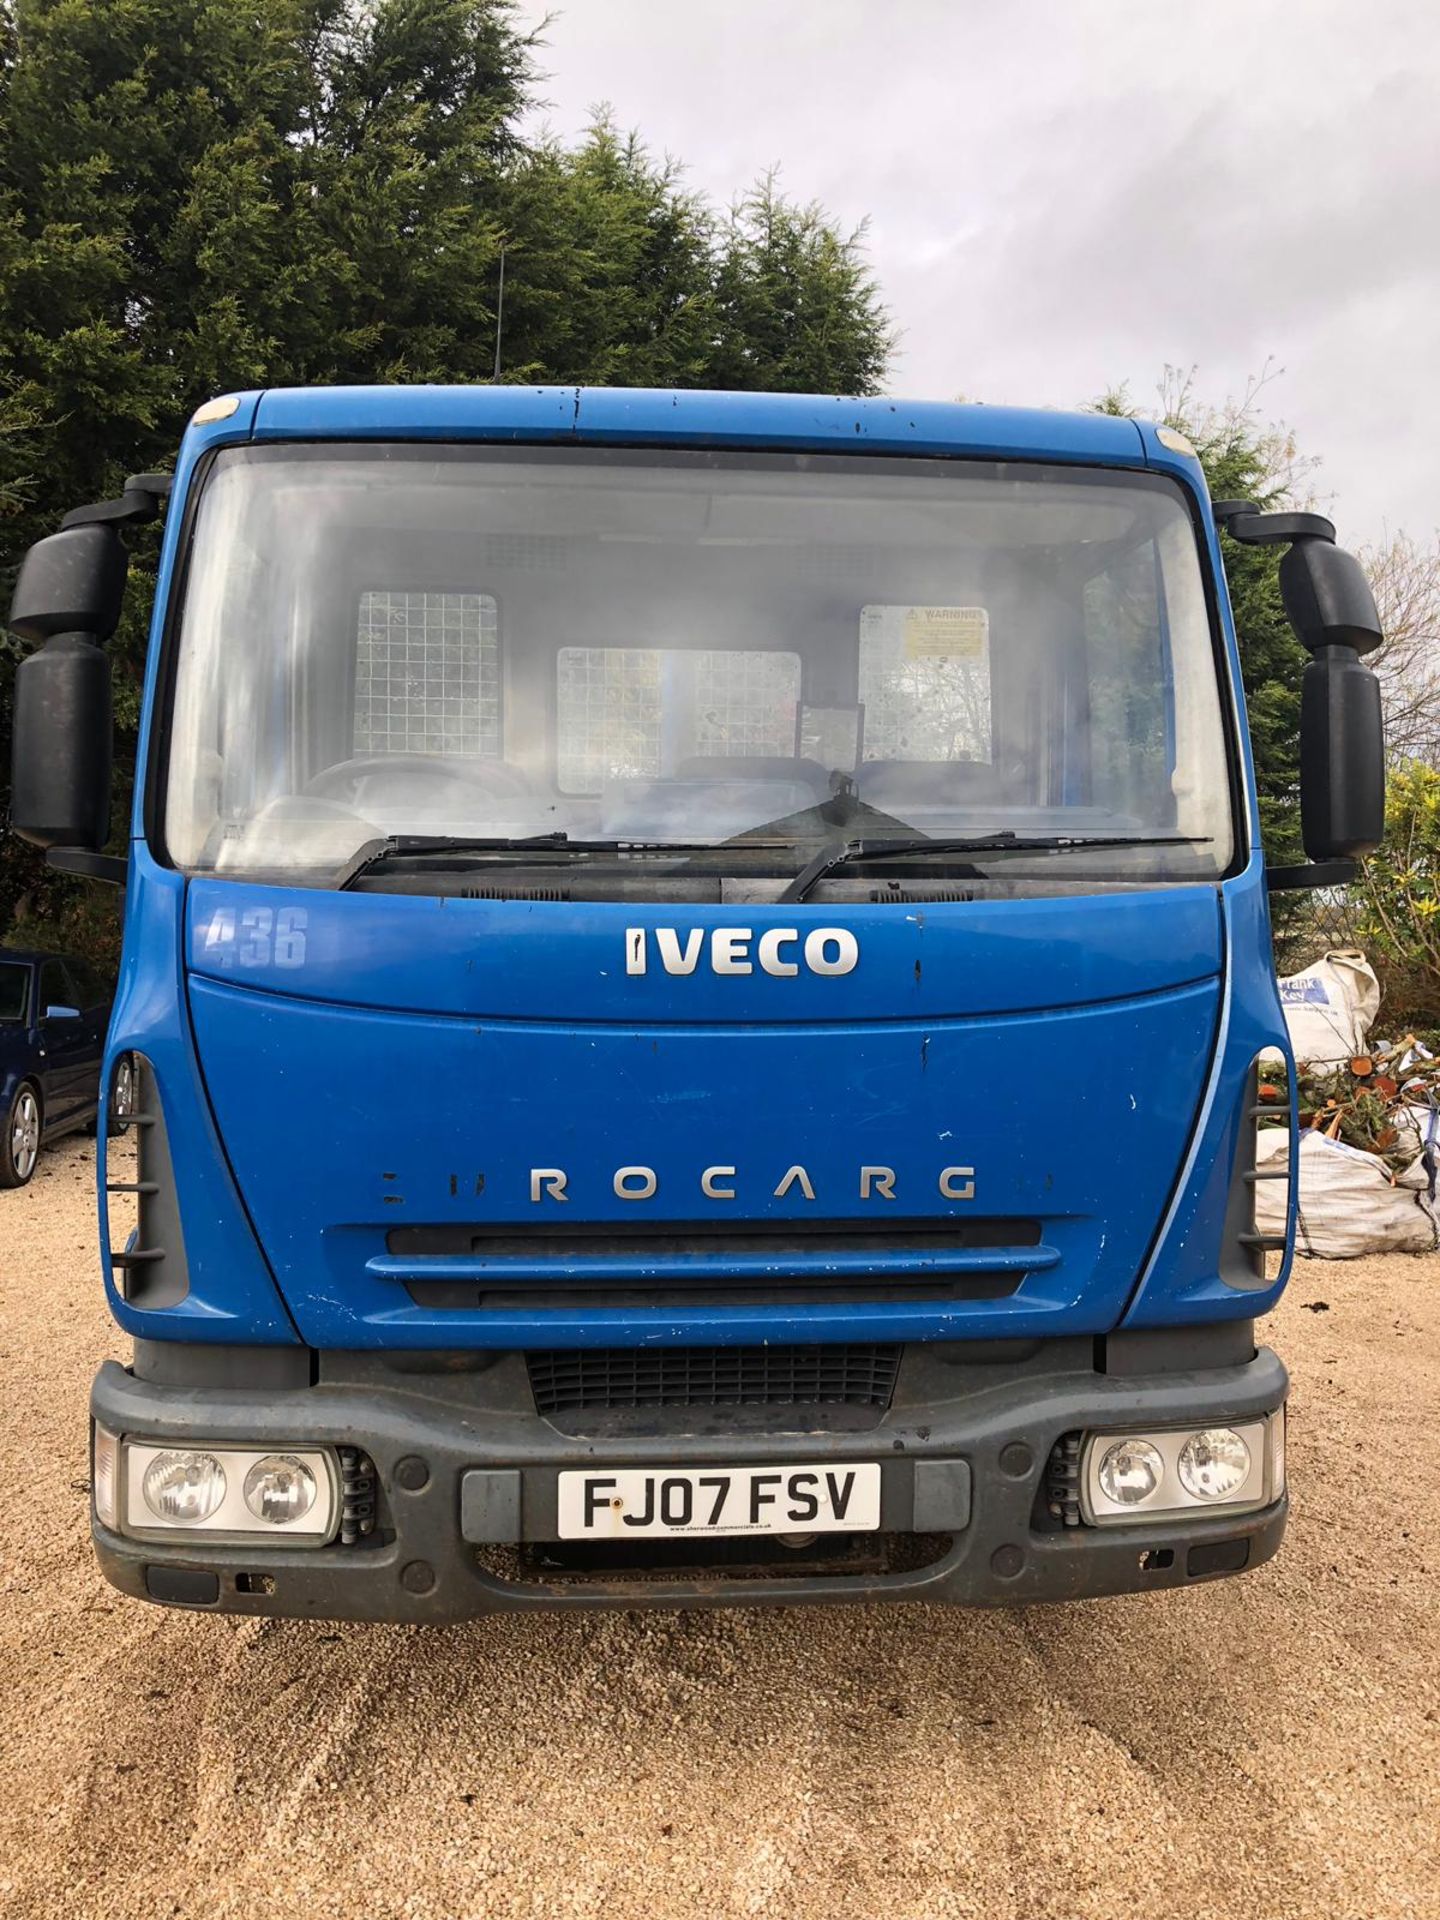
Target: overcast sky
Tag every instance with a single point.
(1066, 194)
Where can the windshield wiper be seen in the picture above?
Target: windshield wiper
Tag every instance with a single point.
(856, 853)
(409, 846)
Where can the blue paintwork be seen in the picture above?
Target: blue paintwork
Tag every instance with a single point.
(232, 1294)
(419, 1106)
(1087, 1056)
(521, 959)
(644, 417)
(1181, 1282)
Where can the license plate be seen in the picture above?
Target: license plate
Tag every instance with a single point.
(631, 1502)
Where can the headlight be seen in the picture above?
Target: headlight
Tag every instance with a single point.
(1140, 1477)
(236, 1494)
(183, 1489)
(1130, 1472)
(1214, 1463)
(279, 1489)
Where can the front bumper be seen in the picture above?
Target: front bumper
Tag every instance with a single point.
(1001, 1421)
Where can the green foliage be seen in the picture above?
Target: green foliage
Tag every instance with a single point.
(617, 276)
(785, 296)
(1399, 898)
(198, 196)
(609, 268)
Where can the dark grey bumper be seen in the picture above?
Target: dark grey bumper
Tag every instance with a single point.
(1001, 1422)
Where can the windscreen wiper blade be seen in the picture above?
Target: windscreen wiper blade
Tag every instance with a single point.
(856, 853)
(400, 846)
(410, 846)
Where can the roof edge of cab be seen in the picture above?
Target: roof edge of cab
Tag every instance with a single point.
(694, 418)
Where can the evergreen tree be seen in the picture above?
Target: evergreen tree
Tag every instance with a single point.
(787, 295)
(610, 268)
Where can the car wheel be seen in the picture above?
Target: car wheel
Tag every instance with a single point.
(20, 1140)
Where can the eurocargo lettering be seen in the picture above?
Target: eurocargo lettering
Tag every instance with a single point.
(695, 975)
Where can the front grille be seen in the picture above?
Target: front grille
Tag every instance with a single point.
(858, 1374)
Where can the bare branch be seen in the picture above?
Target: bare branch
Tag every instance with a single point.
(1405, 578)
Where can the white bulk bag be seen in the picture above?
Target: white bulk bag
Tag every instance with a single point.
(1348, 1205)
(1419, 1129)
(1329, 1007)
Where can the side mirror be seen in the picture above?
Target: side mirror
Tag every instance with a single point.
(1327, 597)
(70, 582)
(67, 601)
(1342, 730)
(1342, 757)
(59, 1013)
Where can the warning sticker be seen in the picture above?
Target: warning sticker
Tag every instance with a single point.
(924, 682)
(946, 633)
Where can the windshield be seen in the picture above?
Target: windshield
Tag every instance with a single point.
(747, 658)
(14, 987)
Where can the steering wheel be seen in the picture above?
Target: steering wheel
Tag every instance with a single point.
(344, 781)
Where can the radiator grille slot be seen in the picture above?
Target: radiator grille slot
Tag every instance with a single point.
(584, 1240)
(898, 894)
(857, 1374)
(499, 890)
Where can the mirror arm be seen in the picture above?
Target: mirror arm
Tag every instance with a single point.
(106, 867)
(141, 500)
(1253, 529)
(1313, 873)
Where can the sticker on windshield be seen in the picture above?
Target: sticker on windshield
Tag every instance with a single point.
(947, 633)
(924, 682)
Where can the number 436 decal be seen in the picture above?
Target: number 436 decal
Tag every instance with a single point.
(256, 937)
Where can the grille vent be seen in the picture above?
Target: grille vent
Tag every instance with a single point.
(1062, 1481)
(498, 890)
(879, 896)
(357, 1496)
(854, 1375)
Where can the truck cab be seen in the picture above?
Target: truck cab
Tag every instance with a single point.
(694, 978)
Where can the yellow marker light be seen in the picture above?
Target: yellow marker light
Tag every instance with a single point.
(220, 409)
(1167, 436)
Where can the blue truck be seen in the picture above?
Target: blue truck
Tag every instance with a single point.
(694, 976)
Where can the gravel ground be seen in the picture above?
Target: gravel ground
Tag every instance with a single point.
(1266, 1745)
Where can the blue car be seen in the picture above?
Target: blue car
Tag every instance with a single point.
(54, 1010)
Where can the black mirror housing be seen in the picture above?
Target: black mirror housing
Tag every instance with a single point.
(67, 600)
(1342, 757)
(1327, 597)
(1342, 729)
(60, 760)
(70, 582)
